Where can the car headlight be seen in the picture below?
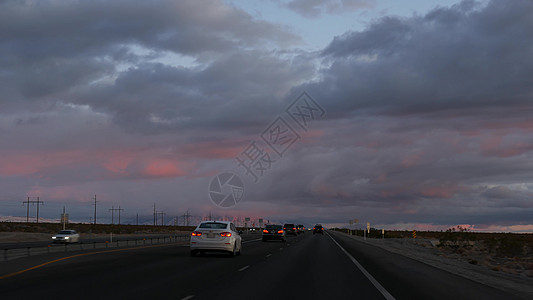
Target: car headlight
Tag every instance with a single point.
(66, 238)
(53, 238)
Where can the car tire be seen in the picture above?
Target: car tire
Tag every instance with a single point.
(233, 253)
(240, 251)
(193, 253)
(264, 240)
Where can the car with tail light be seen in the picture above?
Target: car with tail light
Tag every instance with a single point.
(216, 236)
(318, 229)
(290, 229)
(273, 232)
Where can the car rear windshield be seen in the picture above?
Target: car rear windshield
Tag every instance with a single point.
(273, 227)
(289, 225)
(214, 225)
(66, 232)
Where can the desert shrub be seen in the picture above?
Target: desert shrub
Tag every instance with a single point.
(510, 247)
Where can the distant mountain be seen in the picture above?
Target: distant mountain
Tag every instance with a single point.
(23, 219)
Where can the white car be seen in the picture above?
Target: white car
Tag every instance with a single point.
(216, 236)
(66, 236)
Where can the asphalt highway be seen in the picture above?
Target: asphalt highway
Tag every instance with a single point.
(329, 266)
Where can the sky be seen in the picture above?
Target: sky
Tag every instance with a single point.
(404, 114)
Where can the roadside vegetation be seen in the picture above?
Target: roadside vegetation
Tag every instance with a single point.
(90, 228)
(508, 252)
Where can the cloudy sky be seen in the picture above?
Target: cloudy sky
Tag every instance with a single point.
(418, 116)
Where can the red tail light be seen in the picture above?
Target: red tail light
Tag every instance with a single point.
(280, 231)
(265, 231)
(294, 229)
(226, 234)
(196, 233)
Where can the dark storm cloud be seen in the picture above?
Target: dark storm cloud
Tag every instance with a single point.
(462, 57)
(315, 8)
(430, 109)
(428, 117)
(52, 47)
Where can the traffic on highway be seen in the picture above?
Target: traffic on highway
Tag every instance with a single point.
(221, 261)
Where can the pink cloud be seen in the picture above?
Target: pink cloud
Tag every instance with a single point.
(411, 160)
(438, 192)
(163, 168)
(213, 150)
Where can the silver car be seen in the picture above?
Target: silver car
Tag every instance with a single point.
(66, 236)
(216, 236)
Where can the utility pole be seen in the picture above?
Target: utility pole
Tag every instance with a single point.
(112, 209)
(155, 216)
(63, 218)
(27, 210)
(95, 209)
(27, 202)
(186, 217)
(137, 223)
(162, 217)
(119, 209)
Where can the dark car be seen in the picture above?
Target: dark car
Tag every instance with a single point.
(318, 229)
(290, 229)
(273, 232)
(301, 228)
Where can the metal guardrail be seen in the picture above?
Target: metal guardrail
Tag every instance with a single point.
(13, 253)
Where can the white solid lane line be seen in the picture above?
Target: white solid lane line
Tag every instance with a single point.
(188, 297)
(244, 242)
(378, 286)
(269, 255)
(244, 268)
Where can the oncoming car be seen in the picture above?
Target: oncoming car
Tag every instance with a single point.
(66, 236)
(216, 236)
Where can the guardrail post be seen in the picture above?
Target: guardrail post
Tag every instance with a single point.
(28, 250)
(5, 254)
(151, 241)
(94, 245)
(65, 247)
(48, 248)
(117, 243)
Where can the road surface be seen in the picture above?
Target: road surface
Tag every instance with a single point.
(329, 266)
